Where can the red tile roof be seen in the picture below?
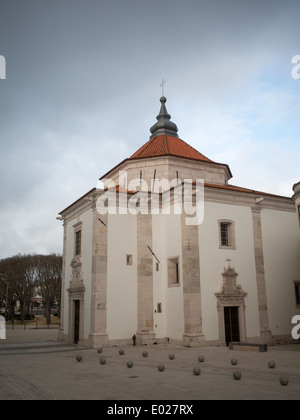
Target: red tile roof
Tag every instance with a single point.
(164, 145)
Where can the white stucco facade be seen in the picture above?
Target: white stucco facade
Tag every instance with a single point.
(233, 277)
(280, 247)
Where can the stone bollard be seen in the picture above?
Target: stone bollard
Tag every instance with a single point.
(79, 358)
(271, 364)
(196, 371)
(121, 352)
(201, 359)
(129, 363)
(145, 354)
(171, 356)
(161, 367)
(234, 361)
(99, 350)
(237, 375)
(283, 380)
(102, 361)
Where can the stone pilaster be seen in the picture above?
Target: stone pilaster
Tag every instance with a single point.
(191, 283)
(296, 199)
(61, 333)
(98, 333)
(145, 332)
(265, 333)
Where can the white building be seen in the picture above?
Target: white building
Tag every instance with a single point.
(164, 277)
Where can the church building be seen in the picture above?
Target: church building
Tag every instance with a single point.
(170, 251)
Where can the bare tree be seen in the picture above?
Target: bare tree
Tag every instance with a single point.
(49, 272)
(16, 283)
(3, 285)
(20, 275)
(21, 281)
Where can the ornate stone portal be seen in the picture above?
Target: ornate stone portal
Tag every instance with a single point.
(231, 295)
(76, 302)
(77, 278)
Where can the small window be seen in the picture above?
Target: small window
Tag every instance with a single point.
(141, 179)
(226, 234)
(128, 259)
(159, 308)
(299, 212)
(157, 266)
(173, 271)
(297, 293)
(78, 242)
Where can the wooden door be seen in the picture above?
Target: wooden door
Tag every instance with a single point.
(76, 320)
(232, 326)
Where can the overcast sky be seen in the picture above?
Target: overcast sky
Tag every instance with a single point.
(82, 90)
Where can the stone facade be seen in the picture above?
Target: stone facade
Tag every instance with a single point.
(160, 168)
(162, 279)
(296, 198)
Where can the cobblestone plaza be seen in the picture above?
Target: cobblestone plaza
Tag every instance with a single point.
(35, 366)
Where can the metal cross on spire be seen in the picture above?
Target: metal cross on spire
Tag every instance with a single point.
(162, 86)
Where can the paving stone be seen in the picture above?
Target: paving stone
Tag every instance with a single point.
(34, 366)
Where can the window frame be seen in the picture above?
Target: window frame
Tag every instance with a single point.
(77, 232)
(129, 259)
(173, 264)
(297, 292)
(230, 233)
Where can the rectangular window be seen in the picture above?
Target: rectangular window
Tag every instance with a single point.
(173, 271)
(78, 242)
(299, 212)
(128, 259)
(141, 179)
(224, 234)
(159, 308)
(297, 292)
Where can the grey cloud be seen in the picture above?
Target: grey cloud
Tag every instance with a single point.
(82, 90)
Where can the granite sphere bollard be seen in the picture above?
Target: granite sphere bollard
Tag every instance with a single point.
(102, 361)
(99, 350)
(284, 380)
(145, 354)
(161, 367)
(129, 363)
(237, 375)
(121, 352)
(196, 371)
(171, 356)
(201, 359)
(271, 364)
(234, 361)
(79, 358)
